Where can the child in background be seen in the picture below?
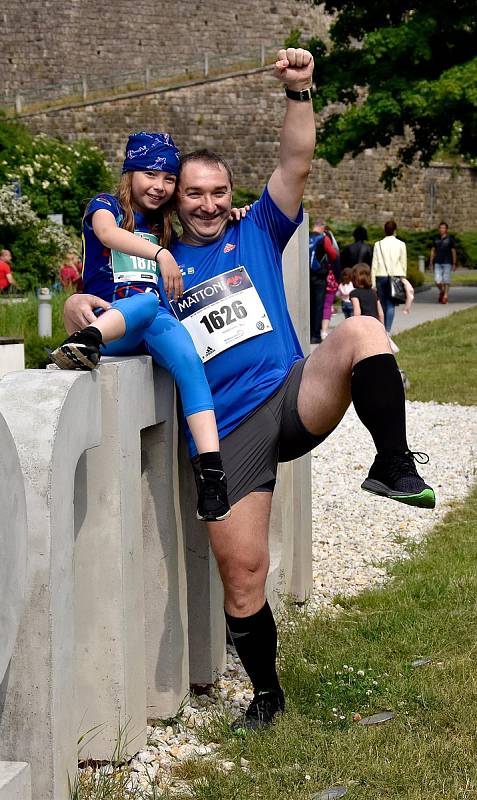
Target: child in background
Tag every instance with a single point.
(125, 239)
(344, 290)
(363, 298)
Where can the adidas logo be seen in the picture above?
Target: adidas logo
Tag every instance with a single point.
(209, 351)
(229, 247)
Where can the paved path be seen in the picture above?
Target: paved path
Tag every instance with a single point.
(426, 308)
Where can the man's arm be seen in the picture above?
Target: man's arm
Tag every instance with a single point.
(432, 257)
(294, 69)
(78, 311)
(11, 280)
(454, 259)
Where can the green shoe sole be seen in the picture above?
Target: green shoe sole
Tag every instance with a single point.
(425, 499)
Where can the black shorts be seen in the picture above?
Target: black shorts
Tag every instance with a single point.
(272, 433)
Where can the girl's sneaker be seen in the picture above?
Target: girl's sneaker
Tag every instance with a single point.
(213, 503)
(79, 351)
(395, 475)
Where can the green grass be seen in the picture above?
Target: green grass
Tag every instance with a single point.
(21, 320)
(429, 750)
(440, 359)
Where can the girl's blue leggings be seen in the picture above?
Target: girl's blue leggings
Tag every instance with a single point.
(150, 328)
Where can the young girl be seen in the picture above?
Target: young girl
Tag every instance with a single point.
(125, 240)
(363, 298)
(344, 290)
(330, 292)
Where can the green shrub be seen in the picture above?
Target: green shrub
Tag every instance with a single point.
(36, 349)
(243, 197)
(57, 178)
(37, 245)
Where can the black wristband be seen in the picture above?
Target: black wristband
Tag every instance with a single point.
(157, 253)
(303, 96)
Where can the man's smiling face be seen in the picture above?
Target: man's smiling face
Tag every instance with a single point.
(204, 200)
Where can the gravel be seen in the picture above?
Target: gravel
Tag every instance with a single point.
(354, 533)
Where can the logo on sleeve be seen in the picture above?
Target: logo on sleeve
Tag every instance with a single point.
(229, 247)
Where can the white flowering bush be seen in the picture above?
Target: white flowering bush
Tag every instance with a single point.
(57, 178)
(38, 246)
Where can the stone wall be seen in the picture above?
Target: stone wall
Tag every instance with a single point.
(49, 41)
(241, 118)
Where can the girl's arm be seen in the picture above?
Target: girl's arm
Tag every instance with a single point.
(116, 238)
(356, 307)
(380, 313)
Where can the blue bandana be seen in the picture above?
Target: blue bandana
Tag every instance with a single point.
(150, 151)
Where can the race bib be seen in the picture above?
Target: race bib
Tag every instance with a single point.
(221, 312)
(132, 268)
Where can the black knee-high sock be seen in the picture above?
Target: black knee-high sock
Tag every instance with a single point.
(255, 639)
(378, 397)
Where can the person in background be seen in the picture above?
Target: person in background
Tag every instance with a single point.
(363, 297)
(322, 255)
(359, 252)
(443, 260)
(389, 258)
(70, 274)
(7, 281)
(344, 290)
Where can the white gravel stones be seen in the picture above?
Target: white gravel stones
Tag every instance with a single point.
(354, 533)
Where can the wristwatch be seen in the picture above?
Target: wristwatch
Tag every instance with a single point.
(303, 96)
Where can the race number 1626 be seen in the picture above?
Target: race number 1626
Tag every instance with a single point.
(219, 318)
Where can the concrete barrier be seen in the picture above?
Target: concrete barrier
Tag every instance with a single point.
(14, 777)
(53, 418)
(12, 355)
(15, 781)
(123, 602)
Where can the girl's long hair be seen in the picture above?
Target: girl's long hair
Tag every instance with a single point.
(161, 219)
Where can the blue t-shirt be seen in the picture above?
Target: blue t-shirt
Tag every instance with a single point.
(97, 265)
(245, 375)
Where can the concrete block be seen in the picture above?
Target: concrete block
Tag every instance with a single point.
(205, 594)
(109, 591)
(15, 781)
(53, 418)
(13, 545)
(165, 581)
(133, 662)
(12, 355)
(296, 272)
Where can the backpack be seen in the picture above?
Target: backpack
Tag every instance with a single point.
(319, 262)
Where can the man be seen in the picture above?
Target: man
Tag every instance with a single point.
(6, 278)
(272, 404)
(443, 259)
(322, 255)
(359, 251)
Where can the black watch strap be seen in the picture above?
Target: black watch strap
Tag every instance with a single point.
(303, 96)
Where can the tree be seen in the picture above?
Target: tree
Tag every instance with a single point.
(398, 69)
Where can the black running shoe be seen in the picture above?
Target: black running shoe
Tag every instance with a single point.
(213, 503)
(395, 475)
(261, 712)
(79, 351)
